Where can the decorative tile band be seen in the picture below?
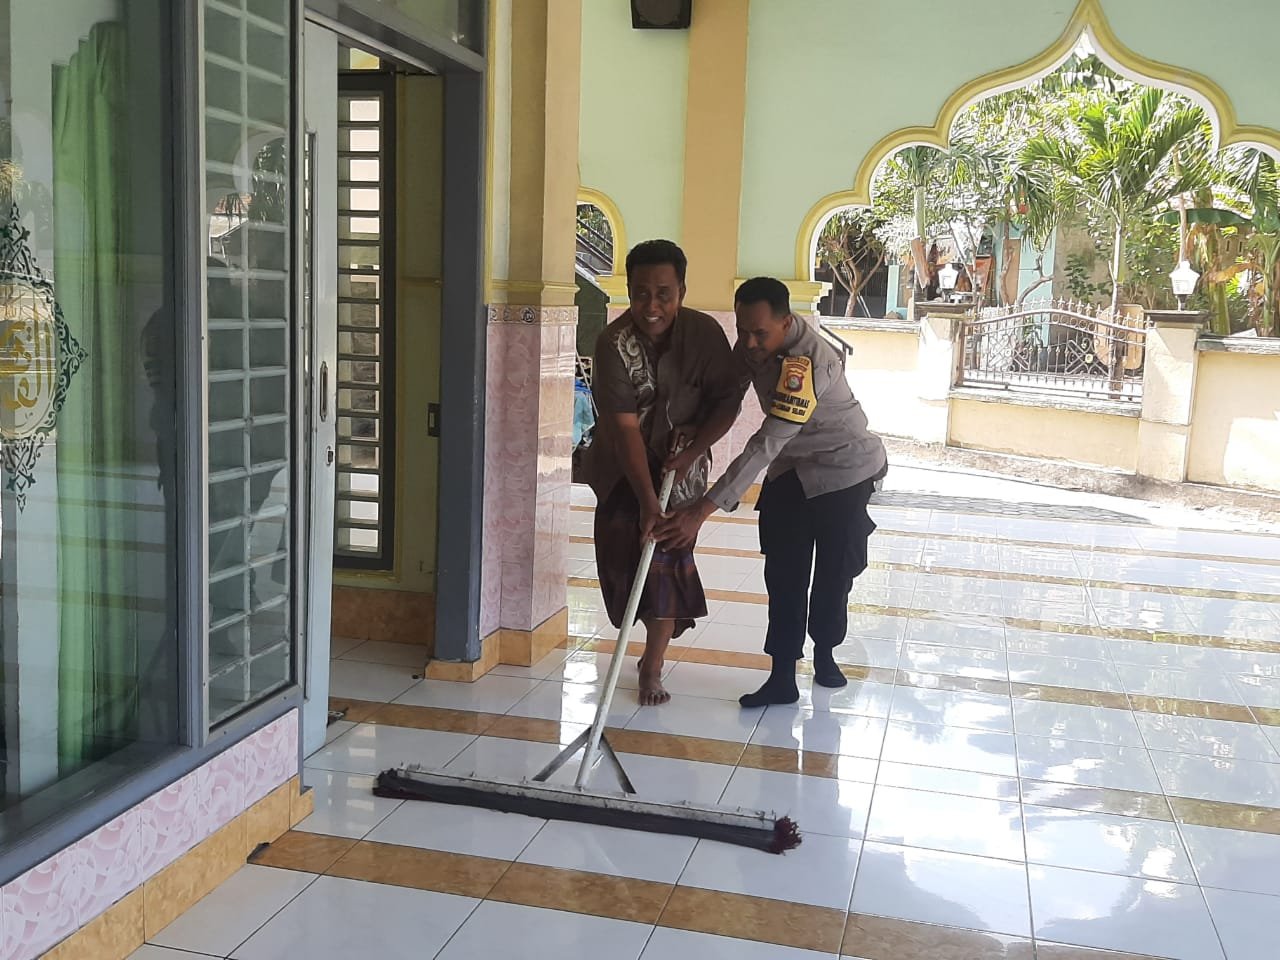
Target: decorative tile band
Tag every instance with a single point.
(546, 316)
(54, 899)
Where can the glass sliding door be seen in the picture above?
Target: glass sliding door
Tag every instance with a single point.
(248, 178)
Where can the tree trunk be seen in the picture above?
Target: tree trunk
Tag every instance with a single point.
(1115, 362)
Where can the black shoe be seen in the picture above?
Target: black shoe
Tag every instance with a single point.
(826, 672)
(779, 689)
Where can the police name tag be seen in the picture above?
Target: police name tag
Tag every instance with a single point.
(793, 398)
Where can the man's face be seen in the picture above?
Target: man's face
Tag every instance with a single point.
(656, 294)
(760, 331)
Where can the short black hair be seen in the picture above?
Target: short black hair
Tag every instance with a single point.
(765, 290)
(653, 253)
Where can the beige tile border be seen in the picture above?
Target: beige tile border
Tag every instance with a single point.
(880, 938)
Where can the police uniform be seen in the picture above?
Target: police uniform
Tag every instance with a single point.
(822, 462)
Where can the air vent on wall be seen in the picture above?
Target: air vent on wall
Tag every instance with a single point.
(661, 14)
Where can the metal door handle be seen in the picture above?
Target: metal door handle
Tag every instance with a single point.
(324, 391)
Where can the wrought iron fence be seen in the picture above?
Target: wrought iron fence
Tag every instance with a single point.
(1057, 347)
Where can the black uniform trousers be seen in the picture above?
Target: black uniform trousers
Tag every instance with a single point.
(823, 538)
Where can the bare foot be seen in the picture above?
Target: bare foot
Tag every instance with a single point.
(652, 692)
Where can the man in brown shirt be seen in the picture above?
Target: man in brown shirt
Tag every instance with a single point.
(663, 378)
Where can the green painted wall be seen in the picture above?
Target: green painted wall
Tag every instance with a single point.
(631, 139)
(827, 79)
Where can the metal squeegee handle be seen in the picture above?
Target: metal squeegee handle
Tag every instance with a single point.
(624, 634)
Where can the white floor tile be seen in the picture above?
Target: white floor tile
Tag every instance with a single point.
(728, 636)
(665, 779)
(1234, 859)
(874, 625)
(939, 821)
(371, 748)
(939, 780)
(1059, 671)
(1247, 923)
(714, 682)
(819, 872)
(956, 632)
(344, 804)
(541, 670)
(866, 651)
(698, 717)
(337, 919)
(836, 808)
(504, 759)
(842, 733)
(1210, 738)
(1125, 846)
(954, 661)
(608, 850)
(458, 829)
(378, 682)
(1055, 645)
(506, 930)
(233, 912)
(1183, 684)
(668, 944)
(953, 708)
(151, 952)
(1090, 764)
(1178, 656)
(411, 656)
(942, 888)
(931, 745)
(575, 703)
(1072, 721)
(1258, 691)
(489, 694)
(742, 615)
(1214, 778)
(1122, 913)
(340, 645)
(336, 729)
(865, 697)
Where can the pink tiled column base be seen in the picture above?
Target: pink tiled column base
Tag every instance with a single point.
(528, 437)
(51, 901)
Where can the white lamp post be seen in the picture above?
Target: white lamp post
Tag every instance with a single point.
(947, 276)
(1184, 280)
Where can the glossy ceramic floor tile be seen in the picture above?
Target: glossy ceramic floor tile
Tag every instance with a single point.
(1234, 859)
(337, 728)
(457, 829)
(1213, 738)
(541, 670)
(728, 636)
(819, 872)
(1056, 645)
(379, 682)
(507, 930)
(344, 804)
(1182, 684)
(1258, 691)
(1090, 764)
(489, 694)
(713, 682)
(1122, 913)
(941, 780)
(938, 821)
(151, 952)
(394, 923)
(1104, 843)
(870, 652)
(876, 626)
(1163, 655)
(1248, 923)
(944, 888)
(1071, 721)
(865, 697)
(668, 780)
(231, 914)
(1057, 671)
(506, 759)
(408, 655)
(1214, 778)
(668, 944)
(933, 745)
(952, 708)
(836, 808)
(742, 615)
(697, 717)
(655, 857)
(574, 703)
(970, 634)
(340, 645)
(371, 748)
(954, 661)
(846, 734)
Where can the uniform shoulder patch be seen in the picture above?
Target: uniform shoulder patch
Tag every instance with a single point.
(793, 397)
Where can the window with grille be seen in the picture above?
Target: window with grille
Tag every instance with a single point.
(366, 321)
(248, 61)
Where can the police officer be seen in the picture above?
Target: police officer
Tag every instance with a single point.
(823, 463)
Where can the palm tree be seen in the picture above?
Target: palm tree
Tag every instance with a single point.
(1114, 157)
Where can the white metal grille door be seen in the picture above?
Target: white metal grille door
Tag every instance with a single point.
(365, 495)
(248, 161)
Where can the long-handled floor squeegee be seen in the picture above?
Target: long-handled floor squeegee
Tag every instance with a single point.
(537, 798)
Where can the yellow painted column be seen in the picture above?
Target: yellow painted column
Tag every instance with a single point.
(546, 67)
(714, 132)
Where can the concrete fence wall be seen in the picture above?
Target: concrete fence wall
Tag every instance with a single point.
(1210, 410)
